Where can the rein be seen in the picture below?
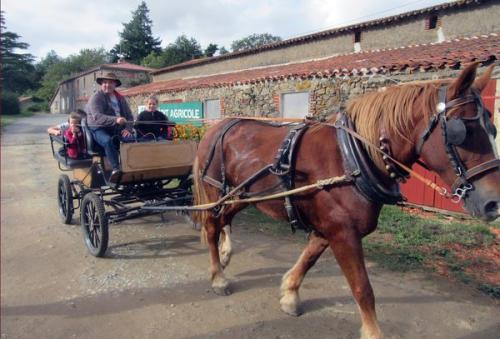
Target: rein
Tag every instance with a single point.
(318, 185)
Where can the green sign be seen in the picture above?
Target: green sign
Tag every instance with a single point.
(181, 112)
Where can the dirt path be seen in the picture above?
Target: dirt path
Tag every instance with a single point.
(154, 281)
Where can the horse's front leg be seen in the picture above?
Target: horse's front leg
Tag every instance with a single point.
(347, 247)
(225, 246)
(290, 284)
(220, 285)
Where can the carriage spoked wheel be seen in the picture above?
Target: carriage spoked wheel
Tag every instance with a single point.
(94, 223)
(65, 199)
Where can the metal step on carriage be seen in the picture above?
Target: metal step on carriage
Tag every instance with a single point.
(155, 173)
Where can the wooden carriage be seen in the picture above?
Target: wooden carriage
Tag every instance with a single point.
(154, 173)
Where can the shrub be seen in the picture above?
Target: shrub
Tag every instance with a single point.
(10, 103)
(36, 99)
(35, 108)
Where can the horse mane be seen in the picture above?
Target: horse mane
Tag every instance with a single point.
(393, 108)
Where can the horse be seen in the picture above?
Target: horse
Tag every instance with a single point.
(441, 122)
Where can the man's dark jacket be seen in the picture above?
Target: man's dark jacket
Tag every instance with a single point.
(100, 113)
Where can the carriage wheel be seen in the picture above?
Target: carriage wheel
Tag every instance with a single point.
(65, 199)
(94, 224)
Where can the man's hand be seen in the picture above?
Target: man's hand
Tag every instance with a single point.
(121, 121)
(126, 133)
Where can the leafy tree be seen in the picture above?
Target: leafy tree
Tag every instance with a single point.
(41, 67)
(87, 58)
(59, 69)
(183, 49)
(17, 70)
(137, 40)
(153, 60)
(223, 50)
(210, 50)
(253, 41)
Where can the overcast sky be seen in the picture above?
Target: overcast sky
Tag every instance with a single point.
(67, 26)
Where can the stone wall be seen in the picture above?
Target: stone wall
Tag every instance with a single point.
(262, 99)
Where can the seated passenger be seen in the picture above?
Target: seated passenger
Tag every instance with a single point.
(59, 129)
(152, 124)
(108, 114)
(74, 137)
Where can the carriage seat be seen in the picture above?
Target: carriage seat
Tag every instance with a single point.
(93, 148)
(61, 156)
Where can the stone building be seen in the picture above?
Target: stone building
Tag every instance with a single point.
(73, 93)
(318, 73)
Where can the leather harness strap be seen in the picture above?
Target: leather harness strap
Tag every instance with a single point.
(283, 167)
(475, 171)
(462, 183)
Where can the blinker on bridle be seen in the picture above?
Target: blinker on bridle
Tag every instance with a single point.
(455, 132)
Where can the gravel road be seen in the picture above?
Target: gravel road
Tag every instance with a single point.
(153, 282)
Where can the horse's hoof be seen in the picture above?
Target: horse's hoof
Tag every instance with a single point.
(221, 290)
(291, 310)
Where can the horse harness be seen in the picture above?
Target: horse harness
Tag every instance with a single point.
(372, 184)
(282, 167)
(454, 133)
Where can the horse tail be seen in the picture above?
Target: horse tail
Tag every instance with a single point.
(200, 198)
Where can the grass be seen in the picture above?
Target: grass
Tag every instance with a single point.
(406, 242)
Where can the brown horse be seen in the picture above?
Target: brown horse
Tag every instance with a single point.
(441, 122)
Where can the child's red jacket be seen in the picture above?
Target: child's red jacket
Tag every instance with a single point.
(76, 144)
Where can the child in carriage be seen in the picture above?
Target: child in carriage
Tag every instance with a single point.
(152, 124)
(59, 129)
(73, 135)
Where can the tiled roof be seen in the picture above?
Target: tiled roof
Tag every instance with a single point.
(326, 34)
(447, 54)
(122, 65)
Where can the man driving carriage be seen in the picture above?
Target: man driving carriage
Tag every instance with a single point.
(108, 115)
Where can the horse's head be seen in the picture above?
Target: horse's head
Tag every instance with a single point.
(459, 144)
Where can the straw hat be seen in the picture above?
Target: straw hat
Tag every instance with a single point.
(108, 76)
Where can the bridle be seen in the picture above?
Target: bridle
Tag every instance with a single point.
(454, 134)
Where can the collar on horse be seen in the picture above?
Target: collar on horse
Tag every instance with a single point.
(454, 133)
(370, 183)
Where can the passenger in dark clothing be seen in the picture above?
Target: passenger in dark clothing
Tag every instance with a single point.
(152, 124)
(107, 116)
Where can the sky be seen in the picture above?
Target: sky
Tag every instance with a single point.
(67, 26)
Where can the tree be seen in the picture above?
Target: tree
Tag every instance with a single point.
(59, 69)
(253, 41)
(153, 60)
(137, 40)
(17, 70)
(210, 50)
(183, 49)
(223, 50)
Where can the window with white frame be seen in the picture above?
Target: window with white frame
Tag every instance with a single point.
(295, 105)
(212, 109)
